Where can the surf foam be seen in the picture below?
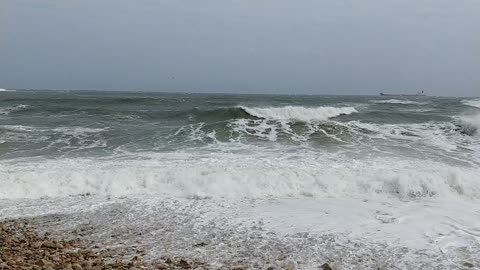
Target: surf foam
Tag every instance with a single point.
(298, 113)
(238, 176)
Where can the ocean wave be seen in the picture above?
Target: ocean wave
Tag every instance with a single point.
(443, 136)
(62, 138)
(470, 124)
(239, 176)
(298, 113)
(290, 113)
(14, 108)
(472, 102)
(397, 101)
(251, 131)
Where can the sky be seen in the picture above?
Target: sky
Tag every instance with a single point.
(242, 46)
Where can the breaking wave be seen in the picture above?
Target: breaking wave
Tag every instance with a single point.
(471, 124)
(472, 102)
(298, 113)
(238, 176)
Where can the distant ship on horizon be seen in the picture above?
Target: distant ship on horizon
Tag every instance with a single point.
(418, 94)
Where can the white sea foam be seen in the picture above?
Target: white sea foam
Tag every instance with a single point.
(305, 231)
(444, 136)
(397, 101)
(429, 137)
(387, 199)
(472, 102)
(236, 176)
(298, 113)
(258, 128)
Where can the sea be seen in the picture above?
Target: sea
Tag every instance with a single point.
(360, 182)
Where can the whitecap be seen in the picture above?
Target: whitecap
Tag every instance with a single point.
(298, 113)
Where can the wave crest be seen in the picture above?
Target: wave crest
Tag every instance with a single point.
(298, 113)
(472, 102)
(470, 124)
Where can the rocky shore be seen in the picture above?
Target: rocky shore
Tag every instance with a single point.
(21, 247)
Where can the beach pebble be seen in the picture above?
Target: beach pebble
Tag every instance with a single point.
(77, 266)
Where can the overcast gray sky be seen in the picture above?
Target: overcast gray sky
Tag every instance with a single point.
(256, 46)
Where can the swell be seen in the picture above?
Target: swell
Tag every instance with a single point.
(180, 108)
